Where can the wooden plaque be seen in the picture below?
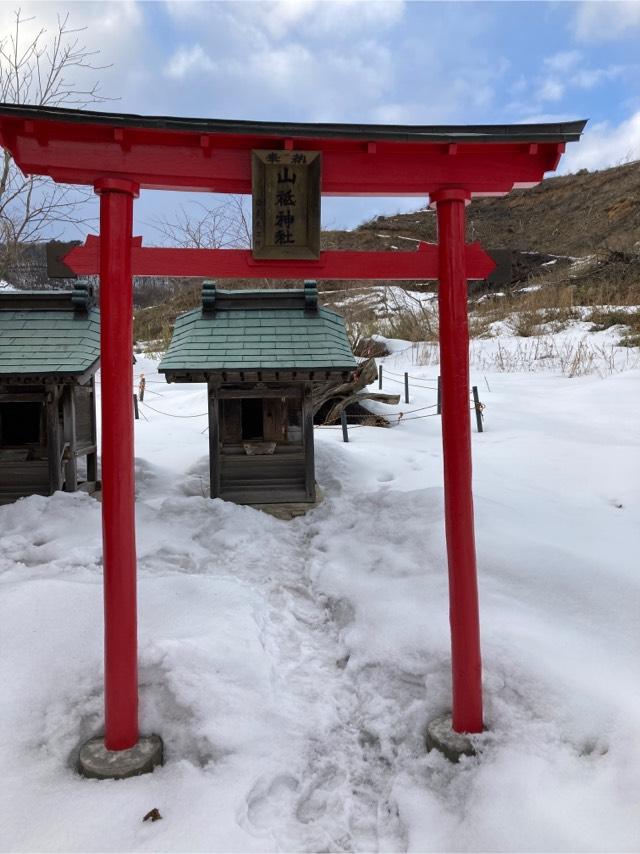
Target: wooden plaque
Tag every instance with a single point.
(286, 204)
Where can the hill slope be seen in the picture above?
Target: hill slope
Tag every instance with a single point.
(567, 215)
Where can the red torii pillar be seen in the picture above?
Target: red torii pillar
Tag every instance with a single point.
(121, 753)
(466, 664)
(118, 472)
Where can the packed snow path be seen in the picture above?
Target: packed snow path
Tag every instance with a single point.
(291, 667)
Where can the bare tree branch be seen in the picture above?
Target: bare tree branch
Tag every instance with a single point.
(196, 225)
(46, 69)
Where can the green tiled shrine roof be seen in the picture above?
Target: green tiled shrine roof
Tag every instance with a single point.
(45, 333)
(262, 336)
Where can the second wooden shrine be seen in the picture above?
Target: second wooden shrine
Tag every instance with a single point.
(260, 352)
(49, 354)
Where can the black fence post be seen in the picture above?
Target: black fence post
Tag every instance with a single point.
(406, 387)
(478, 408)
(343, 421)
(136, 414)
(379, 376)
(439, 403)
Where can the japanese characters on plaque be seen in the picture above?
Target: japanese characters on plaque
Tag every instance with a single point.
(286, 204)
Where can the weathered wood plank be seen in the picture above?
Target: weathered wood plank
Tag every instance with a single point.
(85, 415)
(274, 420)
(286, 390)
(24, 397)
(92, 458)
(53, 439)
(231, 427)
(69, 435)
(237, 450)
(307, 439)
(214, 445)
(266, 496)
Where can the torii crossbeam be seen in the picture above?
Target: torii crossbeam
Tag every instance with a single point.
(421, 263)
(120, 154)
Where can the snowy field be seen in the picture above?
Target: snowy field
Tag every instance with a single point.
(291, 667)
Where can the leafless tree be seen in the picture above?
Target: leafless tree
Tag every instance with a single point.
(224, 225)
(41, 70)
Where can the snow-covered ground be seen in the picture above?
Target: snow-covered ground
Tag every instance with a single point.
(382, 300)
(291, 667)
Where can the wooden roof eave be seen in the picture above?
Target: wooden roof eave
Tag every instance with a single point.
(58, 377)
(567, 131)
(220, 377)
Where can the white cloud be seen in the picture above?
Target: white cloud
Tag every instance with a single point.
(187, 60)
(347, 16)
(560, 73)
(551, 90)
(346, 61)
(294, 60)
(607, 21)
(564, 60)
(282, 19)
(605, 145)
(321, 84)
(587, 78)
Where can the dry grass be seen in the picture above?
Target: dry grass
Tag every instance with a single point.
(370, 348)
(572, 358)
(413, 324)
(534, 314)
(627, 319)
(526, 312)
(425, 353)
(608, 283)
(411, 319)
(154, 325)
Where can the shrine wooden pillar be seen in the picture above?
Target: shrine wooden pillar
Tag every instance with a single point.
(456, 441)
(118, 479)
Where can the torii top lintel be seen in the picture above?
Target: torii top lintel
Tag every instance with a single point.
(82, 147)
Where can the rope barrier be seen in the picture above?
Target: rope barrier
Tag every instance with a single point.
(389, 414)
(413, 385)
(416, 417)
(411, 376)
(171, 415)
(398, 416)
(337, 426)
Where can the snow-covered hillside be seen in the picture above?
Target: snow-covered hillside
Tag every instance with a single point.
(291, 667)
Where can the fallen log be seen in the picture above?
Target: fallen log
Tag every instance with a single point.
(329, 399)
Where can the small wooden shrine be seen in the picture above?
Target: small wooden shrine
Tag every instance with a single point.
(260, 353)
(49, 354)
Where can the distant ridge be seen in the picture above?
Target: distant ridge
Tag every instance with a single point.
(572, 215)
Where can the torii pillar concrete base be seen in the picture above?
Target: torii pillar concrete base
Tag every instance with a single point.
(441, 736)
(102, 764)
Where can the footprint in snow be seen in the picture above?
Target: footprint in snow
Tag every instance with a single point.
(270, 799)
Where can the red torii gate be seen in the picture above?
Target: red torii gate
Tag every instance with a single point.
(120, 154)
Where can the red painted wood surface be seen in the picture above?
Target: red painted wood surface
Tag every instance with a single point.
(80, 152)
(239, 263)
(118, 482)
(456, 444)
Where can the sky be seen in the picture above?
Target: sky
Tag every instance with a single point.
(374, 62)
